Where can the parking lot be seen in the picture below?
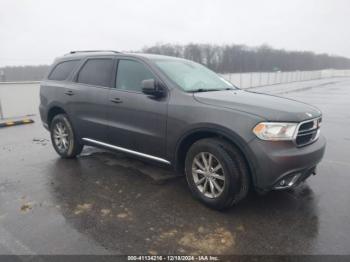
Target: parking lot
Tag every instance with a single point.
(106, 203)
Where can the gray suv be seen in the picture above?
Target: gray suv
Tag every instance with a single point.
(179, 113)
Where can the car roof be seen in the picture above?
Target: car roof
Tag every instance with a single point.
(92, 53)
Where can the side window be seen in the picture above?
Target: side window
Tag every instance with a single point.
(97, 72)
(63, 70)
(131, 74)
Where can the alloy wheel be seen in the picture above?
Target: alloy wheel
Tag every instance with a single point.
(208, 174)
(61, 136)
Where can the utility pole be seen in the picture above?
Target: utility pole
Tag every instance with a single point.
(1, 113)
(2, 79)
(2, 76)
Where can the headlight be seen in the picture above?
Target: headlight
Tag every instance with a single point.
(275, 131)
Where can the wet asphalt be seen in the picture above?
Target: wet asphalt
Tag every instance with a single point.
(106, 203)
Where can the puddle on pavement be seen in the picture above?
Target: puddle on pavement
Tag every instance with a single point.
(104, 196)
(159, 174)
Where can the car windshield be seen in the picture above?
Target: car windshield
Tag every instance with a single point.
(192, 77)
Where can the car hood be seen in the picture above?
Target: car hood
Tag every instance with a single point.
(269, 107)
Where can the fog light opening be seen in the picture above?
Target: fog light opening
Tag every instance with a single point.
(287, 182)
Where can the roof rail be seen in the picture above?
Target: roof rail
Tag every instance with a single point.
(91, 51)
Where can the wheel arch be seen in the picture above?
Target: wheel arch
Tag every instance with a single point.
(53, 111)
(196, 134)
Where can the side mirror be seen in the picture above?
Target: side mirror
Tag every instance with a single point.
(153, 88)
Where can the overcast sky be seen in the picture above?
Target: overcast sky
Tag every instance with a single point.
(37, 31)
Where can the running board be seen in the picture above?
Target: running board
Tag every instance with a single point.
(125, 150)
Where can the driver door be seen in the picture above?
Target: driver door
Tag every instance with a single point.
(137, 121)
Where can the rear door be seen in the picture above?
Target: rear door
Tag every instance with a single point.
(89, 94)
(54, 91)
(137, 121)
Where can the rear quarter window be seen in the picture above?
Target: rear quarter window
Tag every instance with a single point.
(62, 70)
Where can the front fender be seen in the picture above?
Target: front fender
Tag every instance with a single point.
(209, 129)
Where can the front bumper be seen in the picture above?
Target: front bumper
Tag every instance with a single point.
(281, 165)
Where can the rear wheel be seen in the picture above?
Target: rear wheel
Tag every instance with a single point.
(63, 137)
(216, 173)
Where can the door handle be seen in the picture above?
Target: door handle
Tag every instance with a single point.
(116, 100)
(69, 93)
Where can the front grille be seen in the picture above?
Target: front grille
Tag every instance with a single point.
(308, 132)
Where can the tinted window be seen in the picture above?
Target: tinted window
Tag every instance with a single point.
(97, 72)
(63, 70)
(131, 74)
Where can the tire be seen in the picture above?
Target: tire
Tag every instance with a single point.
(233, 178)
(61, 128)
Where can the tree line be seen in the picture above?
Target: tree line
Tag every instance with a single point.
(23, 73)
(220, 58)
(241, 58)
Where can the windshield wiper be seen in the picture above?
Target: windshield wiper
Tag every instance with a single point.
(202, 90)
(209, 90)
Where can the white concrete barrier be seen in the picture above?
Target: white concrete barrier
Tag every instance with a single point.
(19, 99)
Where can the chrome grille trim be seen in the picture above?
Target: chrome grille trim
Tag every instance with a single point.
(314, 131)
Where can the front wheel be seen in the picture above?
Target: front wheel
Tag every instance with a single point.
(63, 137)
(216, 173)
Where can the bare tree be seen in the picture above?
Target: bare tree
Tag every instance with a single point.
(241, 58)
